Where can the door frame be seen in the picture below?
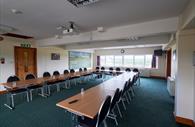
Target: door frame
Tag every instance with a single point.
(168, 64)
(15, 58)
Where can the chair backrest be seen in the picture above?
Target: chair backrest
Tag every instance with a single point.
(72, 71)
(102, 68)
(103, 111)
(97, 68)
(125, 87)
(115, 98)
(29, 76)
(56, 73)
(85, 69)
(46, 74)
(127, 69)
(66, 72)
(135, 70)
(80, 69)
(13, 79)
(118, 69)
(111, 69)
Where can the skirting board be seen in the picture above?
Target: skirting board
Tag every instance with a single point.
(158, 77)
(184, 121)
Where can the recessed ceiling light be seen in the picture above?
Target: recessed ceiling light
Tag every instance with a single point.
(15, 11)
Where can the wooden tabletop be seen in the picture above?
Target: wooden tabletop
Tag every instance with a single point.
(39, 81)
(2, 90)
(89, 103)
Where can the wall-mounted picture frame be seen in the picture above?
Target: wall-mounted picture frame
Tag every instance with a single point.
(55, 56)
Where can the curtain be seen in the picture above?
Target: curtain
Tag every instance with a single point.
(98, 60)
(154, 61)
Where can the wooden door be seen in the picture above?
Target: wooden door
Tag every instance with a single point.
(25, 61)
(168, 63)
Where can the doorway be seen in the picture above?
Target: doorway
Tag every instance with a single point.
(168, 70)
(25, 61)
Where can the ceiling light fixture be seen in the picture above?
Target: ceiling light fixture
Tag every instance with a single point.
(15, 11)
(80, 3)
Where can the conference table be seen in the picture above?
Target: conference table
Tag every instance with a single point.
(5, 88)
(87, 103)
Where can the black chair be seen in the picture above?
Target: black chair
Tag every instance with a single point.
(49, 83)
(85, 69)
(80, 69)
(127, 69)
(33, 87)
(97, 68)
(16, 91)
(57, 82)
(118, 71)
(56, 73)
(124, 97)
(46, 75)
(100, 117)
(130, 88)
(66, 72)
(111, 70)
(102, 69)
(73, 77)
(87, 75)
(136, 70)
(114, 100)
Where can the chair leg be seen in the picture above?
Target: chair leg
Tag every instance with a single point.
(132, 91)
(126, 98)
(119, 111)
(27, 96)
(123, 104)
(49, 92)
(105, 124)
(58, 87)
(129, 96)
(12, 101)
(31, 95)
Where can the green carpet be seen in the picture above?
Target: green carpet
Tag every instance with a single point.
(152, 107)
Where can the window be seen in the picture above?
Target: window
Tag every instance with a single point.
(148, 61)
(139, 61)
(102, 60)
(128, 60)
(118, 61)
(109, 60)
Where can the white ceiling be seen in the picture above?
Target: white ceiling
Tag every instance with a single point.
(40, 17)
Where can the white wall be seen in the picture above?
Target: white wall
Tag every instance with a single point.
(185, 78)
(44, 62)
(136, 51)
(7, 52)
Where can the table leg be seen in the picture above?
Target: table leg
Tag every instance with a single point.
(8, 103)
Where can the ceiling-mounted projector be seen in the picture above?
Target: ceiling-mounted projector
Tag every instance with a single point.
(80, 3)
(70, 29)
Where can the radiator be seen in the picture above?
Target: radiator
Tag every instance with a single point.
(145, 72)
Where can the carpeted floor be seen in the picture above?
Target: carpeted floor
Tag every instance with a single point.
(152, 107)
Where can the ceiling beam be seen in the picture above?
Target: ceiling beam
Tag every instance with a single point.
(155, 27)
